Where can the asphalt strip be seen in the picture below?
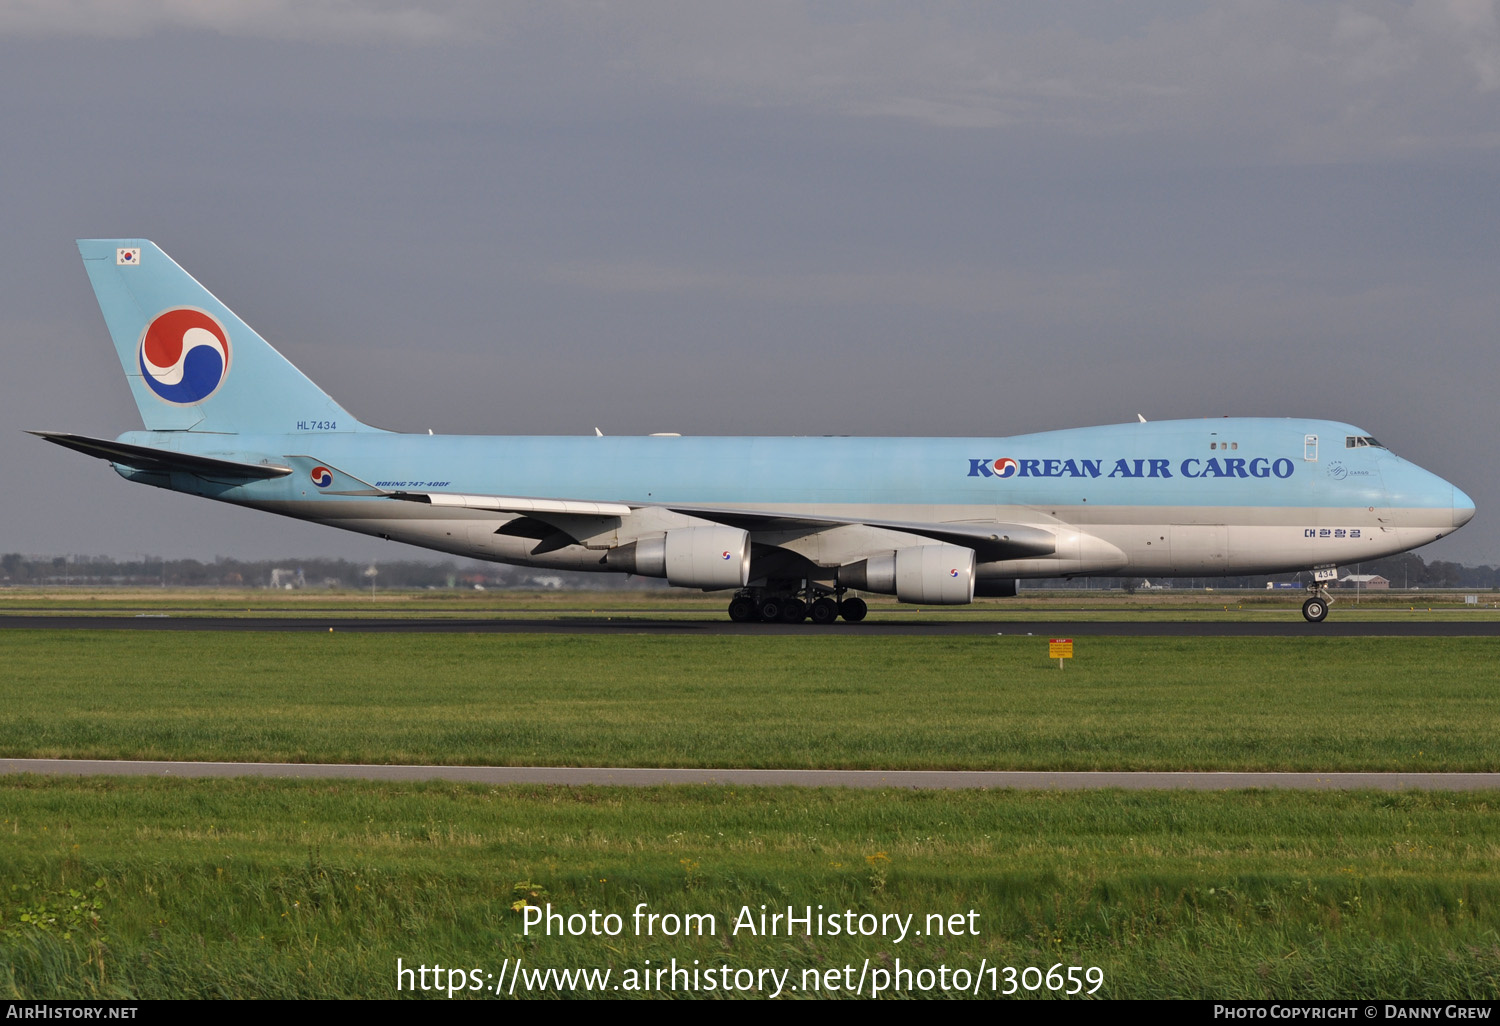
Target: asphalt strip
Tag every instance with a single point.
(646, 777)
(897, 625)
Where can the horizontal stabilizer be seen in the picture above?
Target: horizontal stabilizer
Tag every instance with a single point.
(143, 457)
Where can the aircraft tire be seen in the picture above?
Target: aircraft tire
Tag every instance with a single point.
(793, 610)
(741, 609)
(770, 609)
(824, 611)
(853, 610)
(1315, 610)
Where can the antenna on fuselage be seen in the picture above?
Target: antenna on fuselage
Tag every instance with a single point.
(1140, 418)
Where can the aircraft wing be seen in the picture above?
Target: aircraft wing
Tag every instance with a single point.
(143, 457)
(518, 504)
(990, 540)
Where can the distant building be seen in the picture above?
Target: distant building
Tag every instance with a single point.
(1365, 582)
(287, 579)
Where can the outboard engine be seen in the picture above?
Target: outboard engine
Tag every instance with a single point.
(710, 558)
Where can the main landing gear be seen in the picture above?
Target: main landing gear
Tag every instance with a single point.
(795, 605)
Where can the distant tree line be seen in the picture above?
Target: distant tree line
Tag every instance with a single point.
(1407, 570)
(17, 569)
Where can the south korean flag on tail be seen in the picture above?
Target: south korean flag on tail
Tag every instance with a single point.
(128, 257)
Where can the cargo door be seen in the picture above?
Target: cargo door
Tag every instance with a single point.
(1199, 549)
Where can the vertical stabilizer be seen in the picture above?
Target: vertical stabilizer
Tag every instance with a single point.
(191, 363)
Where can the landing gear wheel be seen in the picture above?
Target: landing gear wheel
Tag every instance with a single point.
(824, 611)
(853, 610)
(770, 610)
(1315, 610)
(741, 609)
(793, 610)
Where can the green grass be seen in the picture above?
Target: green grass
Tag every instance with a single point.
(309, 890)
(791, 702)
(259, 888)
(657, 604)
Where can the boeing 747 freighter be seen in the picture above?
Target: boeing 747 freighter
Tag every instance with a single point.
(792, 526)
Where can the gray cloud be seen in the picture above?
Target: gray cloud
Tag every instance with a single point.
(768, 218)
(1288, 79)
(324, 21)
(1303, 81)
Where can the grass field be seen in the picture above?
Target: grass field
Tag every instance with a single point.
(675, 603)
(787, 702)
(252, 888)
(303, 890)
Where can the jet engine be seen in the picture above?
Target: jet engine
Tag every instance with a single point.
(937, 574)
(689, 557)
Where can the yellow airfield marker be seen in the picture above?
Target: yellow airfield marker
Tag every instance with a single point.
(1059, 649)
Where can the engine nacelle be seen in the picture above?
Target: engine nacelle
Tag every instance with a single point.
(936, 574)
(689, 557)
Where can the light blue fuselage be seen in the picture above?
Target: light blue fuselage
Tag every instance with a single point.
(1229, 495)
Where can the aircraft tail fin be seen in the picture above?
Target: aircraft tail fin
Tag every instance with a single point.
(191, 363)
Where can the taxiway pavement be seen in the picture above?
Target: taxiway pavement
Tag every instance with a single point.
(907, 625)
(648, 776)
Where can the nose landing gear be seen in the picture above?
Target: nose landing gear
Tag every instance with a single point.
(1315, 609)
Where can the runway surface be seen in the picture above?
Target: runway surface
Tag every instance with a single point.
(903, 624)
(645, 777)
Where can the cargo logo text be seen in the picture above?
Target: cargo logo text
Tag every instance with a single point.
(1229, 466)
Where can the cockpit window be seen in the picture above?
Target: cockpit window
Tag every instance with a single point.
(1360, 441)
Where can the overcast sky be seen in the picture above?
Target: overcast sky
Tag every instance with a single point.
(758, 218)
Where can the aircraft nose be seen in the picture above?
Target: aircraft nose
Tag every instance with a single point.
(1463, 508)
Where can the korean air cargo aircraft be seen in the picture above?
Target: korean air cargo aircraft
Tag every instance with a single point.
(792, 525)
